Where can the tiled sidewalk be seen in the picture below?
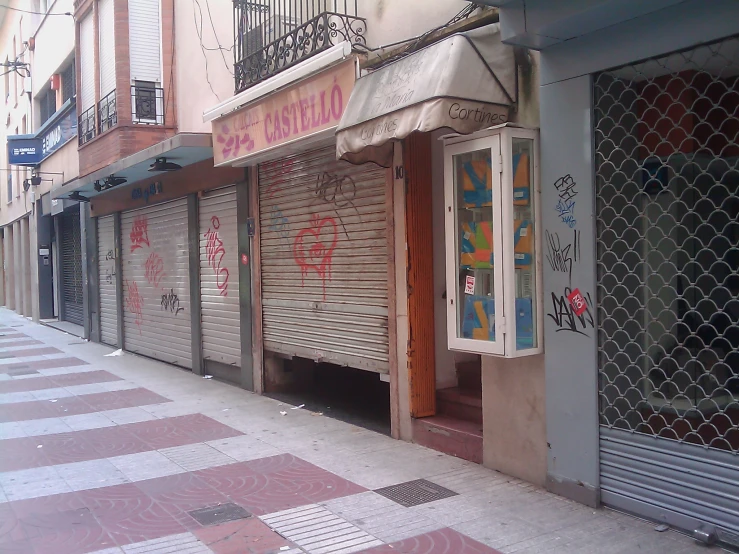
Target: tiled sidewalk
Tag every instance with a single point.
(126, 455)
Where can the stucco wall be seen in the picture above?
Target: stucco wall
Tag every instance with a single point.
(514, 417)
(54, 45)
(204, 74)
(390, 21)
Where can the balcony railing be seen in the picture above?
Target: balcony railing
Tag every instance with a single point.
(86, 126)
(107, 114)
(148, 103)
(274, 35)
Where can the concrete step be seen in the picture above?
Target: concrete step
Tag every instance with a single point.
(460, 404)
(452, 436)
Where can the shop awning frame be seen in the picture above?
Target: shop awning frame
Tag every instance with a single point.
(464, 83)
(184, 149)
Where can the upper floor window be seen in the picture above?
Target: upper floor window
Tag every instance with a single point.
(47, 105)
(69, 83)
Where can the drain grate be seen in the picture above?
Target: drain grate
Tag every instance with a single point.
(415, 493)
(219, 514)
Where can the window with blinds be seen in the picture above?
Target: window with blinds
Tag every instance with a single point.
(47, 105)
(69, 82)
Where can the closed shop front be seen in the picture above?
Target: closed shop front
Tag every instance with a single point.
(219, 278)
(324, 259)
(107, 280)
(70, 250)
(156, 285)
(667, 212)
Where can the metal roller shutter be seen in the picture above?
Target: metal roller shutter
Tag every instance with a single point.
(667, 220)
(156, 285)
(219, 278)
(324, 260)
(107, 280)
(71, 250)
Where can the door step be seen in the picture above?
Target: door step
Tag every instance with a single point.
(452, 436)
(461, 404)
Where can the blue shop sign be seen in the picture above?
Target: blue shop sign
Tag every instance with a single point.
(24, 150)
(55, 133)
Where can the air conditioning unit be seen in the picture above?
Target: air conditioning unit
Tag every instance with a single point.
(269, 29)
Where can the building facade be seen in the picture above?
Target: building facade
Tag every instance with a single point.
(42, 254)
(639, 133)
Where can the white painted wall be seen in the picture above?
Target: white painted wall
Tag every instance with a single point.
(390, 21)
(194, 94)
(54, 44)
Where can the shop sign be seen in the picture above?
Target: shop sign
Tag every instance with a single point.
(59, 133)
(146, 192)
(33, 149)
(314, 105)
(24, 150)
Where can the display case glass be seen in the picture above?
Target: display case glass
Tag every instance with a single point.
(492, 234)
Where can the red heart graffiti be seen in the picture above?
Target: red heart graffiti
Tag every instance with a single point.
(317, 256)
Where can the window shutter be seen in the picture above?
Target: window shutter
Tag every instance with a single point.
(87, 62)
(144, 27)
(106, 27)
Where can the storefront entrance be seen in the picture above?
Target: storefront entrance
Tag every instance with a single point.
(667, 206)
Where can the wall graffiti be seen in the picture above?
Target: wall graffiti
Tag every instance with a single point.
(171, 302)
(339, 191)
(134, 303)
(561, 255)
(215, 253)
(313, 252)
(564, 312)
(110, 255)
(279, 168)
(278, 223)
(139, 233)
(565, 207)
(154, 269)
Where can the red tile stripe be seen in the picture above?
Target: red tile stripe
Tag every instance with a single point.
(34, 352)
(134, 512)
(55, 381)
(30, 342)
(42, 364)
(107, 442)
(76, 405)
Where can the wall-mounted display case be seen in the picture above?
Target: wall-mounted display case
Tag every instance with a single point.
(493, 245)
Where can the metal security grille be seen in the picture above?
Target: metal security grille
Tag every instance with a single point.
(323, 244)
(667, 185)
(107, 280)
(219, 277)
(71, 262)
(156, 282)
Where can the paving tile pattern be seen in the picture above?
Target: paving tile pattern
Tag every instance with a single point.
(129, 456)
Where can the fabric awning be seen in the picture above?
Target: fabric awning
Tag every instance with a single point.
(465, 83)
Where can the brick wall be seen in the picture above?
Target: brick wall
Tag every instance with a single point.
(127, 138)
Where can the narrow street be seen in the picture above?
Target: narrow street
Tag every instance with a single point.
(115, 454)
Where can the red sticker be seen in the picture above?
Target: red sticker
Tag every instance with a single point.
(244, 259)
(578, 302)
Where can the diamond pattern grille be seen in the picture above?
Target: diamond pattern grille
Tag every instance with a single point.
(667, 189)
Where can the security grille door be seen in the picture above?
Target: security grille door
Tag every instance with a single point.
(107, 280)
(71, 254)
(219, 277)
(156, 285)
(667, 186)
(324, 260)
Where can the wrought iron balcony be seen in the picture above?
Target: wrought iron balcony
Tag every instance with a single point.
(147, 100)
(107, 113)
(274, 35)
(86, 126)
